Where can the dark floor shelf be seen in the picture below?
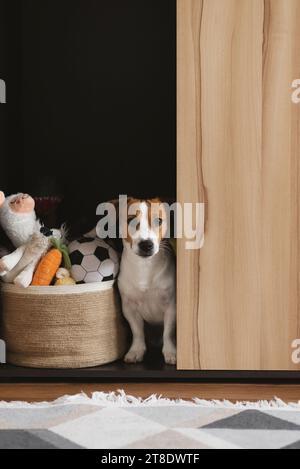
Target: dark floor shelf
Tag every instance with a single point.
(153, 369)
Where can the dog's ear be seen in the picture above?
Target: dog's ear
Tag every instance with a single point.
(117, 205)
(117, 242)
(2, 198)
(172, 221)
(170, 203)
(167, 200)
(115, 202)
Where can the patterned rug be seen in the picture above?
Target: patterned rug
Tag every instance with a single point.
(118, 421)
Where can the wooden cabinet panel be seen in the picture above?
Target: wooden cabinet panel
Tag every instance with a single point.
(238, 150)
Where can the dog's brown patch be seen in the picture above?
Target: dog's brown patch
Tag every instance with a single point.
(156, 211)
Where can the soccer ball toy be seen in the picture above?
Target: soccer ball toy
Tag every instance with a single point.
(93, 260)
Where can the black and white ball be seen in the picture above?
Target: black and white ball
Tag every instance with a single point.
(93, 260)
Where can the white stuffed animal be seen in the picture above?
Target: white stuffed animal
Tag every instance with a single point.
(19, 221)
(18, 218)
(19, 266)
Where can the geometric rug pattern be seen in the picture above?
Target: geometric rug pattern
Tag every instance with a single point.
(96, 424)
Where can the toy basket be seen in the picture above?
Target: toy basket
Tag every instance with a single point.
(63, 327)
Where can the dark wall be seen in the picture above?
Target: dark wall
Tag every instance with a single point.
(98, 100)
(3, 76)
(11, 147)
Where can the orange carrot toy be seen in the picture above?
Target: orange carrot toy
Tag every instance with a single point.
(47, 268)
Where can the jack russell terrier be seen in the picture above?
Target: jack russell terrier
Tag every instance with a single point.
(147, 279)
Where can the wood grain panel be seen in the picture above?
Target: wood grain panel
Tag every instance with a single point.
(280, 175)
(238, 304)
(189, 169)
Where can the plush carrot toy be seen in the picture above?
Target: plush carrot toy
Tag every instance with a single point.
(47, 268)
(50, 264)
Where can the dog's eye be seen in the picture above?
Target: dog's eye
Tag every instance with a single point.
(157, 221)
(133, 222)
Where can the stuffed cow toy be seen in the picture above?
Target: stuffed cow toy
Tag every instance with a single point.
(18, 220)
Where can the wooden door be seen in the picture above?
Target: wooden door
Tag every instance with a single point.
(238, 150)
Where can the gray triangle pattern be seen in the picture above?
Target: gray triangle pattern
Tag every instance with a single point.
(37, 439)
(253, 420)
(159, 427)
(295, 445)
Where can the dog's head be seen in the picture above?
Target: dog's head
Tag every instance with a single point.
(144, 226)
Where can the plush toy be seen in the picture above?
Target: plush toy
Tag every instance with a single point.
(63, 278)
(32, 240)
(93, 260)
(4, 251)
(19, 266)
(18, 218)
(49, 265)
(19, 221)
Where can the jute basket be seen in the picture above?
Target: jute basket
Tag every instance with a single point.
(63, 327)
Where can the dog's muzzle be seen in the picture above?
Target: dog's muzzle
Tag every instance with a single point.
(146, 248)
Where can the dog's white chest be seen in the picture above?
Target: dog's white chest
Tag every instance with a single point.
(147, 291)
(149, 303)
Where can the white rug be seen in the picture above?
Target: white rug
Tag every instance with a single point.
(118, 421)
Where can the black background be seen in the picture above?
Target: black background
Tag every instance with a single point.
(91, 89)
(3, 107)
(11, 174)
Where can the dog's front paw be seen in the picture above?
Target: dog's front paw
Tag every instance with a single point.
(170, 355)
(135, 355)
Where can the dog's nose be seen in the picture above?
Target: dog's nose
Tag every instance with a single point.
(146, 246)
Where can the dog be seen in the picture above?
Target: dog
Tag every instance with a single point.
(147, 279)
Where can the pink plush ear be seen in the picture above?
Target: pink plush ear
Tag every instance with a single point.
(2, 198)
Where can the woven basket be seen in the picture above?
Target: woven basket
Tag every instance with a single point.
(63, 327)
